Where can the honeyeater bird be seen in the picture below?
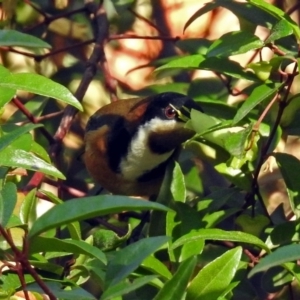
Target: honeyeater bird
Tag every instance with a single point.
(128, 143)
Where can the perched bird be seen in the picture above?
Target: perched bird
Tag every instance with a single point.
(128, 143)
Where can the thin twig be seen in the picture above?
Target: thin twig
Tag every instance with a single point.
(101, 30)
(22, 258)
(265, 149)
(32, 119)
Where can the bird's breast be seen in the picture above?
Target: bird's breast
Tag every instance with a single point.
(141, 157)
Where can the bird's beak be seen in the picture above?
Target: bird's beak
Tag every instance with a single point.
(185, 111)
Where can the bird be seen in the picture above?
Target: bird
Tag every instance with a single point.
(128, 143)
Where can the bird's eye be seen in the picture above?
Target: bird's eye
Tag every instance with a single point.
(170, 112)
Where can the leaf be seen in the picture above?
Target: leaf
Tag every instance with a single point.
(43, 244)
(40, 85)
(286, 233)
(129, 258)
(74, 227)
(40, 151)
(6, 95)
(175, 288)
(226, 66)
(28, 208)
(220, 235)
(249, 12)
(215, 277)
(232, 43)
(126, 287)
(8, 200)
(15, 38)
(212, 219)
(89, 207)
(61, 292)
(17, 158)
(278, 13)
(253, 225)
(156, 266)
(185, 62)
(279, 30)
(259, 94)
(203, 10)
(278, 257)
(236, 143)
(8, 138)
(178, 189)
(190, 249)
(289, 167)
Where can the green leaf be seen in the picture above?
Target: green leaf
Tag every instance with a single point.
(61, 292)
(40, 85)
(178, 189)
(220, 235)
(262, 69)
(11, 157)
(154, 265)
(74, 227)
(175, 288)
(28, 208)
(87, 208)
(15, 38)
(190, 249)
(236, 143)
(226, 66)
(279, 30)
(289, 167)
(8, 138)
(189, 62)
(126, 287)
(247, 11)
(43, 244)
(106, 239)
(232, 43)
(259, 94)
(8, 200)
(212, 219)
(278, 13)
(253, 225)
(40, 151)
(286, 233)
(280, 256)
(215, 277)
(129, 258)
(6, 95)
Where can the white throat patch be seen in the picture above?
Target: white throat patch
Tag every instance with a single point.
(140, 159)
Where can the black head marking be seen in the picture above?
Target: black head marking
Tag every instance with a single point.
(160, 104)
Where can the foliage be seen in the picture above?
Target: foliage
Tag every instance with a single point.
(204, 241)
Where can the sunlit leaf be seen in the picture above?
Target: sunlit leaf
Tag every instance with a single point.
(87, 208)
(215, 277)
(220, 235)
(40, 85)
(12, 157)
(232, 43)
